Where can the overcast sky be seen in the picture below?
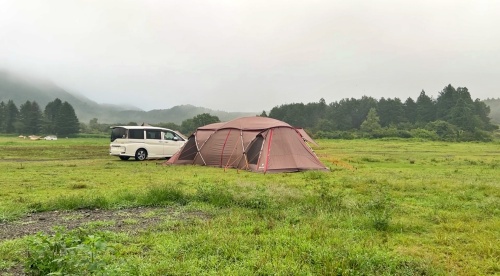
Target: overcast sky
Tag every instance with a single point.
(252, 55)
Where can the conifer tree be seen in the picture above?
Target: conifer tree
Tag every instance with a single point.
(50, 115)
(426, 110)
(2, 116)
(445, 102)
(11, 116)
(410, 110)
(390, 111)
(371, 124)
(30, 118)
(60, 119)
(66, 120)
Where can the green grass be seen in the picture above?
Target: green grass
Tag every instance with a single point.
(403, 207)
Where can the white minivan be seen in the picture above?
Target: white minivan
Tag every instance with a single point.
(144, 142)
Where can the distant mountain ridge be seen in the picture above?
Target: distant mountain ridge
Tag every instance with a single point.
(176, 114)
(21, 89)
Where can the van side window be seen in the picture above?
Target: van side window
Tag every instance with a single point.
(118, 132)
(169, 136)
(153, 134)
(136, 134)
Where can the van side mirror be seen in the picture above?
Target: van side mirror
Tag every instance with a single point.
(175, 138)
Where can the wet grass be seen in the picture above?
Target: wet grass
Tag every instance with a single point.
(403, 207)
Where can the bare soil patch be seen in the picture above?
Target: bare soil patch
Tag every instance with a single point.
(130, 220)
(121, 220)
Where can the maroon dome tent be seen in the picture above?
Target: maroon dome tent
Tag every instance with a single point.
(257, 144)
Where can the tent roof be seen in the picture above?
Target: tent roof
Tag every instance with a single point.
(247, 123)
(213, 126)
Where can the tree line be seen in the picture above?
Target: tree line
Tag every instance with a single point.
(453, 115)
(57, 118)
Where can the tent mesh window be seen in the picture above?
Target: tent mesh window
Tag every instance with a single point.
(254, 150)
(189, 151)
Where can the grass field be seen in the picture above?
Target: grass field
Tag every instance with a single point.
(393, 207)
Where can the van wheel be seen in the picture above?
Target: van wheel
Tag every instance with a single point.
(141, 155)
(124, 158)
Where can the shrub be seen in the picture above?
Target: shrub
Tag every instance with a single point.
(70, 253)
(424, 134)
(444, 130)
(347, 135)
(476, 135)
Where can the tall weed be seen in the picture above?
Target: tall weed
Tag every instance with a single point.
(76, 203)
(380, 210)
(72, 253)
(214, 195)
(162, 196)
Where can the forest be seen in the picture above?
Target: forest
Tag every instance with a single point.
(452, 116)
(57, 118)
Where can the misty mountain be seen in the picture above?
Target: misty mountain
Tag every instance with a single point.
(176, 114)
(21, 89)
(494, 105)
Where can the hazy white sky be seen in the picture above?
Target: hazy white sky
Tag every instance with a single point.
(252, 55)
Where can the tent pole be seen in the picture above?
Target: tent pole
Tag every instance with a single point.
(223, 147)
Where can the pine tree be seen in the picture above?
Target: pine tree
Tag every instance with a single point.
(24, 117)
(365, 104)
(11, 116)
(340, 114)
(371, 124)
(426, 110)
(66, 121)
(410, 110)
(445, 102)
(2, 116)
(462, 115)
(36, 118)
(30, 118)
(50, 115)
(60, 119)
(390, 111)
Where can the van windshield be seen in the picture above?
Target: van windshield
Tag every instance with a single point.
(118, 132)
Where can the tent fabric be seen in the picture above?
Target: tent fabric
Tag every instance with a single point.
(257, 144)
(306, 136)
